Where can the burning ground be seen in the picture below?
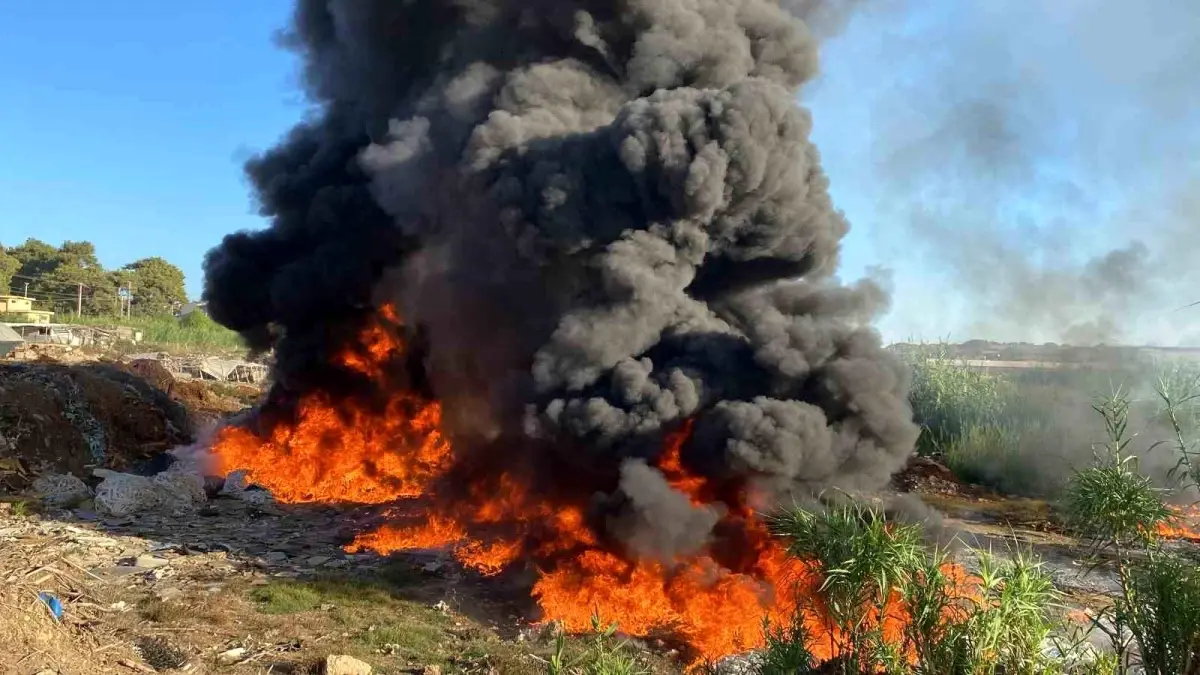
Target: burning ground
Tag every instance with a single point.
(563, 272)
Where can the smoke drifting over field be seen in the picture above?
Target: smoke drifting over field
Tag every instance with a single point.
(598, 220)
(1030, 164)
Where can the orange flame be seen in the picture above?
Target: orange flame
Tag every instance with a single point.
(346, 453)
(713, 601)
(1185, 524)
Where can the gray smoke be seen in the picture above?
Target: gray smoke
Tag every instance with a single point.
(1042, 156)
(605, 218)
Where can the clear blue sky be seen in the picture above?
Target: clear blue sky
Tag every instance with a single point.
(1038, 129)
(126, 123)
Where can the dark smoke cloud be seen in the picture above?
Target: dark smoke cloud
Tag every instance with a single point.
(606, 218)
(1030, 164)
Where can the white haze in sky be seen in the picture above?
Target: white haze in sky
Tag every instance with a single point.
(1020, 169)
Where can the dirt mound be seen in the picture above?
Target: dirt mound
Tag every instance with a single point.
(209, 402)
(154, 372)
(62, 418)
(927, 476)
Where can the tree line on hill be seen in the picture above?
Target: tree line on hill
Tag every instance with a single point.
(70, 276)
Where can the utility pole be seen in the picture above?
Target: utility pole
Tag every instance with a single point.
(26, 289)
(79, 302)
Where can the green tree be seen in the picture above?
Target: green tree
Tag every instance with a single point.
(56, 275)
(38, 262)
(78, 266)
(70, 275)
(158, 287)
(8, 267)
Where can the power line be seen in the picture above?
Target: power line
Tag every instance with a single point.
(41, 279)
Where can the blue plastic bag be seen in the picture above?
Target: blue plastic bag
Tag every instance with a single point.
(53, 603)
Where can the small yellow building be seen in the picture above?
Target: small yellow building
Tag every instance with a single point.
(17, 308)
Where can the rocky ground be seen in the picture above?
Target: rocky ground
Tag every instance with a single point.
(239, 587)
(242, 588)
(249, 586)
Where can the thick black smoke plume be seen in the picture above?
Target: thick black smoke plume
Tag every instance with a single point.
(606, 218)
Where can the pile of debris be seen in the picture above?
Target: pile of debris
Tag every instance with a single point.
(207, 367)
(925, 475)
(206, 401)
(64, 419)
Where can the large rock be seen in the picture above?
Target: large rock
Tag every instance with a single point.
(62, 490)
(176, 490)
(345, 665)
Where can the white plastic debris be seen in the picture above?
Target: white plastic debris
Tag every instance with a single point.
(57, 489)
(176, 490)
(238, 486)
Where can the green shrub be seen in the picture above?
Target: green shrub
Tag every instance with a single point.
(996, 623)
(948, 399)
(1155, 620)
(997, 626)
(1111, 503)
(1164, 614)
(195, 330)
(1178, 388)
(787, 651)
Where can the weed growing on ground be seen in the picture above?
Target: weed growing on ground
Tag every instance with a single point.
(1111, 503)
(1154, 622)
(864, 562)
(1164, 614)
(787, 651)
(994, 621)
(1179, 390)
(602, 655)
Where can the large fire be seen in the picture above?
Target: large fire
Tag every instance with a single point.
(714, 601)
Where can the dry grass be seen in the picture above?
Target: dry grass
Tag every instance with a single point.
(31, 639)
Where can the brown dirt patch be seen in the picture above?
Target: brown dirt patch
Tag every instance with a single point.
(209, 402)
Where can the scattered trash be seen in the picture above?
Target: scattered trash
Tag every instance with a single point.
(238, 486)
(53, 604)
(150, 562)
(159, 653)
(231, 656)
(442, 607)
(74, 416)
